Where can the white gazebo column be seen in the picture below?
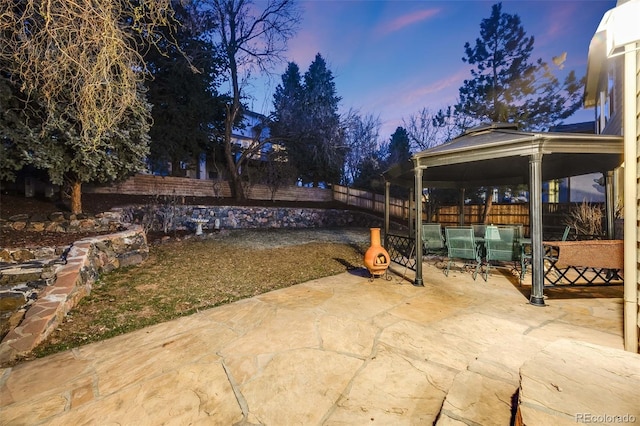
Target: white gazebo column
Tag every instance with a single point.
(535, 221)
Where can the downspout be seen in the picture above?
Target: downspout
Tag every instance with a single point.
(630, 134)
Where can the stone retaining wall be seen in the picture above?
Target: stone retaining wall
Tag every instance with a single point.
(74, 278)
(64, 222)
(178, 217)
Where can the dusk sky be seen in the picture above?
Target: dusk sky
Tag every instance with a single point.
(393, 58)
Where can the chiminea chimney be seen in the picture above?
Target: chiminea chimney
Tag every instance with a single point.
(376, 259)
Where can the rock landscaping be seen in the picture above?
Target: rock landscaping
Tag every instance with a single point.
(36, 295)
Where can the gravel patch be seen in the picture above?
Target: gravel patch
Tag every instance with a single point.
(283, 237)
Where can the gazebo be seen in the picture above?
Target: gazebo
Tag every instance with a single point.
(499, 154)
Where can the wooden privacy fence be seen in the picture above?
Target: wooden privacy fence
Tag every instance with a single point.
(447, 215)
(370, 201)
(553, 214)
(180, 186)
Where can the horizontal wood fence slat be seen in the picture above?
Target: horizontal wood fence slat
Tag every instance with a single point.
(180, 186)
(553, 213)
(369, 200)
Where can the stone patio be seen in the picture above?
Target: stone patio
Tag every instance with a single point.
(344, 350)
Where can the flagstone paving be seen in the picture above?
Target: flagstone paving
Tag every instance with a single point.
(338, 351)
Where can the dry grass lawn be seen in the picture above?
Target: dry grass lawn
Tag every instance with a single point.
(183, 277)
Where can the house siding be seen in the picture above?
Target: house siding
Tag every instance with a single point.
(614, 124)
(602, 72)
(637, 117)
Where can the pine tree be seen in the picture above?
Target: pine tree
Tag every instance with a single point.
(322, 152)
(187, 108)
(287, 105)
(308, 124)
(508, 87)
(399, 147)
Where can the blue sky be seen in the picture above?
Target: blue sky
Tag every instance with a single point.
(393, 58)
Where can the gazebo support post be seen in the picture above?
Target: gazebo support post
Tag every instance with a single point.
(462, 194)
(535, 219)
(387, 204)
(609, 204)
(412, 210)
(418, 224)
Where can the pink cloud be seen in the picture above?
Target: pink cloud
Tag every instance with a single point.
(450, 84)
(399, 102)
(558, 23)
(303, 48)
(405, 21)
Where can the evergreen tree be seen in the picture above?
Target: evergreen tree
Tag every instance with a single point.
(187, 108)
(287, 106)
(308, 124)
(508, 87)
(399, 147)
(320, 152)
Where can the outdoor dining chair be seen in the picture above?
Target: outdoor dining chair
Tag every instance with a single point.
(432, 238)
(501, 246)
(479, 230)
(462, 245)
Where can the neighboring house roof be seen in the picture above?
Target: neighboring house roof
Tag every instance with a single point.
(247, 131)
(588, 127)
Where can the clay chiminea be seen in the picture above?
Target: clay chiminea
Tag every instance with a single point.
(376, 258)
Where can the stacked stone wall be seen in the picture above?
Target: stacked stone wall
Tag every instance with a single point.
(75, 274)
(170, 218)
(166, 217)
(65, 222)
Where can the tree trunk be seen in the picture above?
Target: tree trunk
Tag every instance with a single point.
(488, 202)
(76, 197)
(237, 188)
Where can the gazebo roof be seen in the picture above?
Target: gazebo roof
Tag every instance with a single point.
(497, 153)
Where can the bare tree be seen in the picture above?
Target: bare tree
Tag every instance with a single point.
(427, 129)
(252, 39)
(77, 63)
(362, 139)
